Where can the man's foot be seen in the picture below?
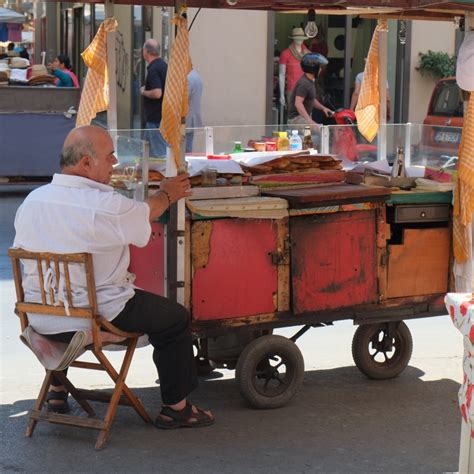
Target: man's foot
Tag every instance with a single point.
(56, 400)
(190, 416)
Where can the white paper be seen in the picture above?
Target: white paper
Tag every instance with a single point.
(196, 165)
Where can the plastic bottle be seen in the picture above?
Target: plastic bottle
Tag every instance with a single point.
(296, 144)
(307, 139)
(282, 143)
(237, 147)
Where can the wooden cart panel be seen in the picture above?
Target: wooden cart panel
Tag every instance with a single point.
(233, 274)
(333, 260)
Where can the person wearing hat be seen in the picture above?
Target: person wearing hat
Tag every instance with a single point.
(289, 70)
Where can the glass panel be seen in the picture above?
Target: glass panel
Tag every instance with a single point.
(435, 146)
(130, 175)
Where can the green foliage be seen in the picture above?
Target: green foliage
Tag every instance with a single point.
(436, 65)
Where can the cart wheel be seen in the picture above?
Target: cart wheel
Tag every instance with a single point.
(269, 371)
(379, 355)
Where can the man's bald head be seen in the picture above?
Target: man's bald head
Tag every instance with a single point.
(79, 143)
(152, 47)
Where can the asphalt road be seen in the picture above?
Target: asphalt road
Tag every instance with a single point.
(340, 421)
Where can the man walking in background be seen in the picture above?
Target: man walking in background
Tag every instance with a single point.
(193, 119)
(152, 93)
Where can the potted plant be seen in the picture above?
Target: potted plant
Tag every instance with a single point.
(436, 65)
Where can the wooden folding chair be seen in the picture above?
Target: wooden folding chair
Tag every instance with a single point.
(60, 268)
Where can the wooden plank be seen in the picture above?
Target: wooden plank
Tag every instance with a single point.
(420, 266)
(67, 420)
(283, 269)
(324, 195)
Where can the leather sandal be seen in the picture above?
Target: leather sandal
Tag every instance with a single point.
(185, 418)
(61, 408)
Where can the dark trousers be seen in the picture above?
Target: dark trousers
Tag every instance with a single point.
(167, 325)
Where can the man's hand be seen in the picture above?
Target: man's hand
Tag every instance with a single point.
(328, 112)
(142, 90)
(177, 187)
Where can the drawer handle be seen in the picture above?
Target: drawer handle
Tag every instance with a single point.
(422, 214)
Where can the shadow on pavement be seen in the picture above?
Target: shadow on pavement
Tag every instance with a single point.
(340, 421)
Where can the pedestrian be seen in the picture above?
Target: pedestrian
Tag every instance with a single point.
(62, 70)
(79, 212)
(152, 93)
(193, 119)
(303, 98)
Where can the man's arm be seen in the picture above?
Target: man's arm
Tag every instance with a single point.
(151, 94)
(355, 96)
(171, 190)
(327, 112)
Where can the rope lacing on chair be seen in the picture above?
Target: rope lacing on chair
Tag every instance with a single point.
(48, 285)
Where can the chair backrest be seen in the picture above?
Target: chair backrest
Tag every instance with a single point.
(53, 273)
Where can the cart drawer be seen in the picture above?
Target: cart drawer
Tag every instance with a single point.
(421, 213)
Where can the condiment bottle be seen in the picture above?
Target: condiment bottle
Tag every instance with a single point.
(237, 147)
(307, 139)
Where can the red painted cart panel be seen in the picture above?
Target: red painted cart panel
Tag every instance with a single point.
(238, 278)
(147, 263)
(333, 260)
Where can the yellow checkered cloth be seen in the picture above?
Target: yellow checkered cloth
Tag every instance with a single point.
(95, 95)
(368, 106)
(464, 194)
(175, 100)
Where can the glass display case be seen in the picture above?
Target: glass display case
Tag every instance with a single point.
(130, 174)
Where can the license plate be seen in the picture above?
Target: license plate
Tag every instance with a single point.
(448, 137)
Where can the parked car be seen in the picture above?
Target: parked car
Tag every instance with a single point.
(443, 123)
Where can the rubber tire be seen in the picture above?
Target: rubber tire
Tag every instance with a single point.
(392, 367)
(260, 350)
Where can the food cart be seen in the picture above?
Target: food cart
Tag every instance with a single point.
(243, 273)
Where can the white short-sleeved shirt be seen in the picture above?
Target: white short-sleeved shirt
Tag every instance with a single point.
(75, 214)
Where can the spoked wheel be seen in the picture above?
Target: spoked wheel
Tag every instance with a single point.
(269, 371)
(382, 351)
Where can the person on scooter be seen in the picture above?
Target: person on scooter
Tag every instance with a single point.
(303, 98)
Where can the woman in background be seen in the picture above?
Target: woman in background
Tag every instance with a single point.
(61, 68)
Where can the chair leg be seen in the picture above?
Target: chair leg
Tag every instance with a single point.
(132, 398)
(73, 391)
(119, 379)
(39, 402)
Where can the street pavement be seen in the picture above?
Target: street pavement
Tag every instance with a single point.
(340, 421)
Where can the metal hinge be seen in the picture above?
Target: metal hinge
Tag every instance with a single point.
(280, 257)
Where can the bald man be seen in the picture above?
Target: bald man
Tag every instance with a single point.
(152, 93)
(79, 212)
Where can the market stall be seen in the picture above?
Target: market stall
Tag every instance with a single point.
(43, 110)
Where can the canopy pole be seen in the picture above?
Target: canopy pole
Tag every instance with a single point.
(111, 68)
(382, 135)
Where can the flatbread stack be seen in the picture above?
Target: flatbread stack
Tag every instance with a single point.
(296, 163)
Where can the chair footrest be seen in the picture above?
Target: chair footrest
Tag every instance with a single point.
(67, 420)
(100, 396)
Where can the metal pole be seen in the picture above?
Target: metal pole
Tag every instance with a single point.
(347, 62)
(382, 135)
(111, 66)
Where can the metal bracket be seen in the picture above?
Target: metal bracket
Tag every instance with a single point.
(177, 284)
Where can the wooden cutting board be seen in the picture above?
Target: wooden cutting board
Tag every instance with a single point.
(329, 195)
